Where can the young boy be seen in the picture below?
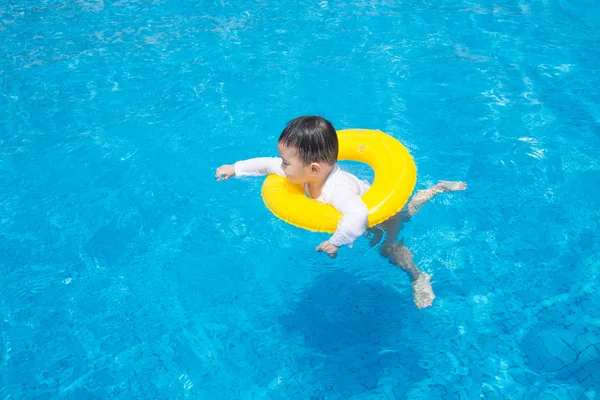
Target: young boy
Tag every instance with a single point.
(308, 149)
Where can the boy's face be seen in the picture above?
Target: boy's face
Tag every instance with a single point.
(296, 171)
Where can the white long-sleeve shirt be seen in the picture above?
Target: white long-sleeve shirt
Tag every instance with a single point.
(342, 190)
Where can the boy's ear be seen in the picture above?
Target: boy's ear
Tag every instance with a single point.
(315, 168)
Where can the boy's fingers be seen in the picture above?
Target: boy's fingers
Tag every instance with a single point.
(222, 176)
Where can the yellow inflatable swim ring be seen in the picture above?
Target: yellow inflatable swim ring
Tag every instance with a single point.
(395, 178)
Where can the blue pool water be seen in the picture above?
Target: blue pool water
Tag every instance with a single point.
(127, 272)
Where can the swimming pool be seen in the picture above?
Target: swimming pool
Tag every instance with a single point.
(128, 272)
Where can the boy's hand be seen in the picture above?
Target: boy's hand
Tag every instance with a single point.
(328, 248)
(225, 172)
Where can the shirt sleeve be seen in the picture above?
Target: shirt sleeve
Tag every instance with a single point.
(259, 166)
(355, 216)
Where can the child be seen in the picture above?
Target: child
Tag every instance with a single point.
(308, 149)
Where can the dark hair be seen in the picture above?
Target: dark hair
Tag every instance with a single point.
(314, 138)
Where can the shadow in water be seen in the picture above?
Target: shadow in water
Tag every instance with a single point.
(358, 332)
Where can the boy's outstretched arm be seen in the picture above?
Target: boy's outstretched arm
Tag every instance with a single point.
(252, 167)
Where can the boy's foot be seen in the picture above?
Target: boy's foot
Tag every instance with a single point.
(450, 186)
(422, 291)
